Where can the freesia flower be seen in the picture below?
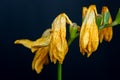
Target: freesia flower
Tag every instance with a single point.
(52, 41)
(58, 44)
(89, 40)
(106, 33)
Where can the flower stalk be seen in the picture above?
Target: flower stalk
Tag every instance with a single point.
(59, 76)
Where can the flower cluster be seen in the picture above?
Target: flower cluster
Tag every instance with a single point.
(94, 29)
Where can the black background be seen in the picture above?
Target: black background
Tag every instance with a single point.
(29, 18)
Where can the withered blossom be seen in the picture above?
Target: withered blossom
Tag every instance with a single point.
(58, 44)
(106, 33)
(52, 43)
(89, 39)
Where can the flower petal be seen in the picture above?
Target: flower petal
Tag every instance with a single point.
(44, 40)
(35, 45)
(40, 59)
(25, 42)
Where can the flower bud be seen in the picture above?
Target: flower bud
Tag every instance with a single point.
(107, 32)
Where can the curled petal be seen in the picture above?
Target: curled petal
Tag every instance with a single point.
(40, 59)
(44, 40)
(58, 44)
(35, 45)
(25, 42)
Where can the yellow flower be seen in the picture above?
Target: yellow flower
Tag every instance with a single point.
(52, 41)
(58, 44)
(106, 33)
(89, 40)
(41, 47)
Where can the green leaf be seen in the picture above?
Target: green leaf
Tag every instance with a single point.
(117, 19)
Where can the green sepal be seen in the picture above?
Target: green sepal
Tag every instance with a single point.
(114, 23)
(106, 17)
(99, 20)
(73, 32)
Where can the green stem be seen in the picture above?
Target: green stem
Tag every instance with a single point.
(70, 41)
(59, 75)
(73, 34)
(59, 71)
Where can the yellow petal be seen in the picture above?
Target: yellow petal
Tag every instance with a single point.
(101, 35)
(40, 59)
(58, 44)
(25, 42)
(35, 45)
(108, 34)
(44, 40)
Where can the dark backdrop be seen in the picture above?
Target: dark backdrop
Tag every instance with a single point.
(29, 18)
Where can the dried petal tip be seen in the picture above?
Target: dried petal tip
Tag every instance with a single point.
(25, 42)
(84, 11)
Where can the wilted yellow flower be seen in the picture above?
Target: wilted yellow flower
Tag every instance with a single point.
(89, 40)
(106, 33)
(58, 44)
(52, 41)
(41, 47)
